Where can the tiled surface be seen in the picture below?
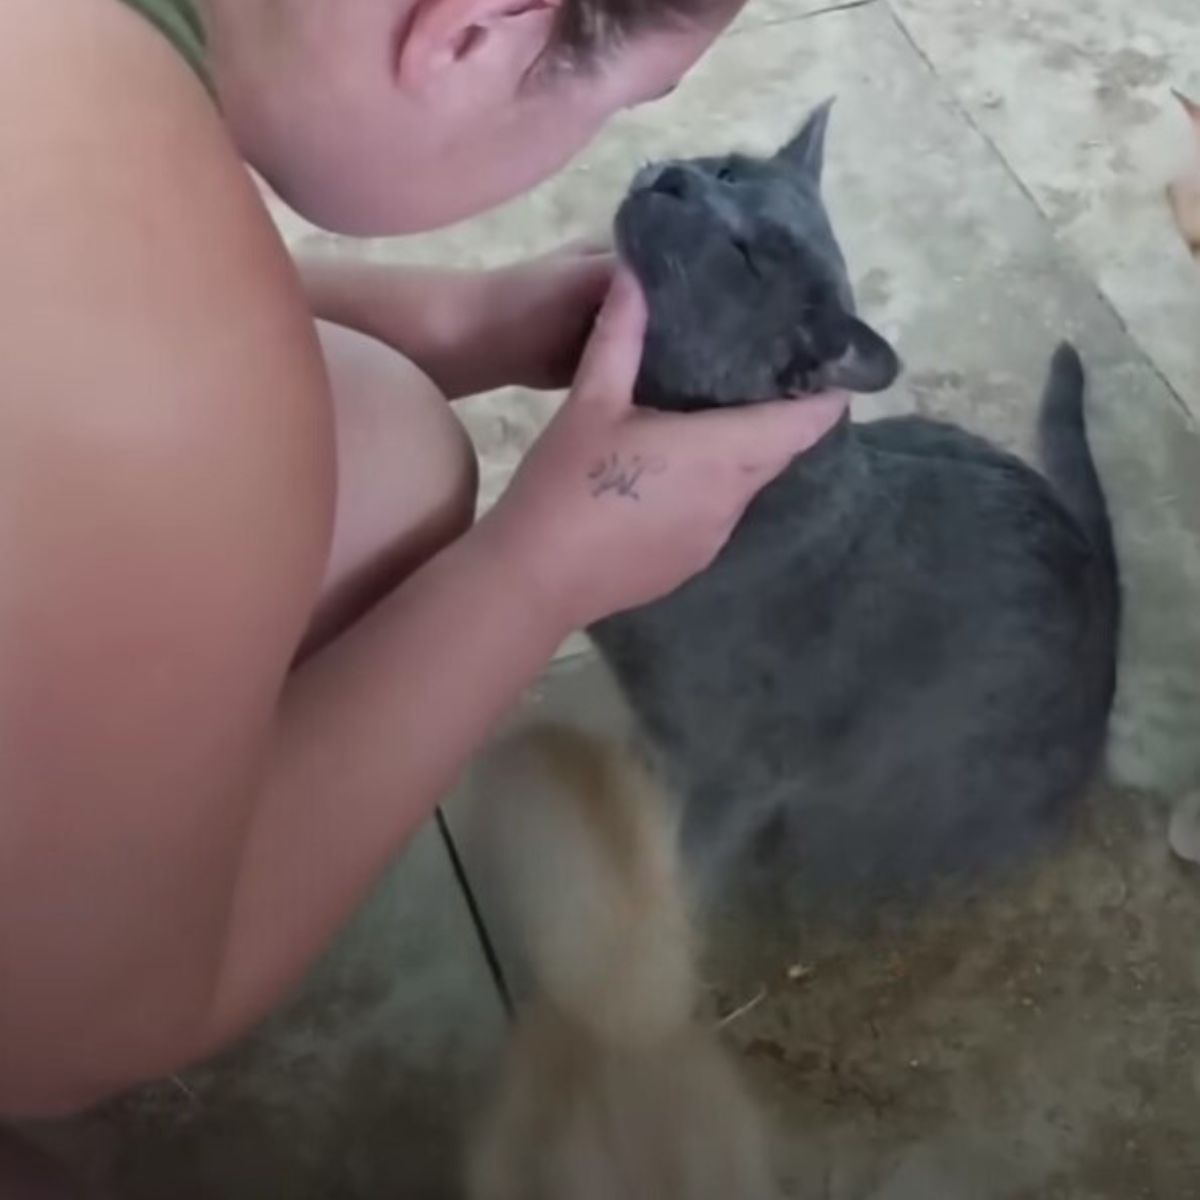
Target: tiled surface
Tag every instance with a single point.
(1077, 98)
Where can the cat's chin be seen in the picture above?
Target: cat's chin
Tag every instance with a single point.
(630, 235)
(650, 231)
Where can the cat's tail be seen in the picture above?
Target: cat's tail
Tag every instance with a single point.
(1066, 453)
(578, 849)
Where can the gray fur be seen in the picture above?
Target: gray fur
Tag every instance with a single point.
(901, 666)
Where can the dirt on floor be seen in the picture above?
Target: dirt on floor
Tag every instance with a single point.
(1041, 1040)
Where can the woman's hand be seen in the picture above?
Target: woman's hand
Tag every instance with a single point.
(534, 317)
(616, 506)
(469, 331)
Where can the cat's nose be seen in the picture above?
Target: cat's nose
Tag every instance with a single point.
(678, 182)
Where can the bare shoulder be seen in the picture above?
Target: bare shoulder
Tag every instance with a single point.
(128, 226)
(165, 437)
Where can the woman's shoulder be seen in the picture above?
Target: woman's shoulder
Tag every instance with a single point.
(91, 43)
(179, 22)
(115, 130)
(156, 352)
(127, 213)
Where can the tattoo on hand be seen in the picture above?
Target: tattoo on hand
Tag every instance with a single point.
(621, 476)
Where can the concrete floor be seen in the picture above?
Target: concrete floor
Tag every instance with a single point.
(996, 172)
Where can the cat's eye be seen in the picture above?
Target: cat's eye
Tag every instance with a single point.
(725, 174)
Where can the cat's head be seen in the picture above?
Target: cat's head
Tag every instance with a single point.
(747, 288)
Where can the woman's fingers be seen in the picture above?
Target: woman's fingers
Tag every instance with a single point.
(609, 367)
(764, 438)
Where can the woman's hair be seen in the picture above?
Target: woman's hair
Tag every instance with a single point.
(588, 29)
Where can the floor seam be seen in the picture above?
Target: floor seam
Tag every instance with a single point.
(826, 10)
(1094, 284)
(475, 913)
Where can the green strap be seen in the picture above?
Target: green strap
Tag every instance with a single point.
(180, 23)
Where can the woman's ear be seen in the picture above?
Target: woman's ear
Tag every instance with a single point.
(453, 41)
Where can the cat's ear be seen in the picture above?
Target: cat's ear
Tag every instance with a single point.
(868, 364)
(806, 151)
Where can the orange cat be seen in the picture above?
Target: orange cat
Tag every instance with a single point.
(1184, 191)
(612, 1089)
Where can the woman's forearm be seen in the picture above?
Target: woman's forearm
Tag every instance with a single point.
(428, 314)
(372, 732)
(470, 331)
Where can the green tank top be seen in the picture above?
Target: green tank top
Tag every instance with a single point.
(179, 21)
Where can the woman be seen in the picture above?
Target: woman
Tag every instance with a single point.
(248, 635)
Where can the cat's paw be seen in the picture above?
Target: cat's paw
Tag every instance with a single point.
(1184, 829)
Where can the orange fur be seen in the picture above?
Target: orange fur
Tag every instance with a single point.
(611, 1089)
(1184, 190)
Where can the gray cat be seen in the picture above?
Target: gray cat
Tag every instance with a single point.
(901, 666)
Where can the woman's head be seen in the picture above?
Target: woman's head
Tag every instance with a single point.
(383, 116)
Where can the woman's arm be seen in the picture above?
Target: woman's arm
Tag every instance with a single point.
(184, 819)
(469, 331)
(370, 734)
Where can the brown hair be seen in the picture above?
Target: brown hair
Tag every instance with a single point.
(587, 29)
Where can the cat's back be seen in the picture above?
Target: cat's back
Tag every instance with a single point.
(917, 696)
(911, 633)
(915, 459)
(908, 560)
(984, 520)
